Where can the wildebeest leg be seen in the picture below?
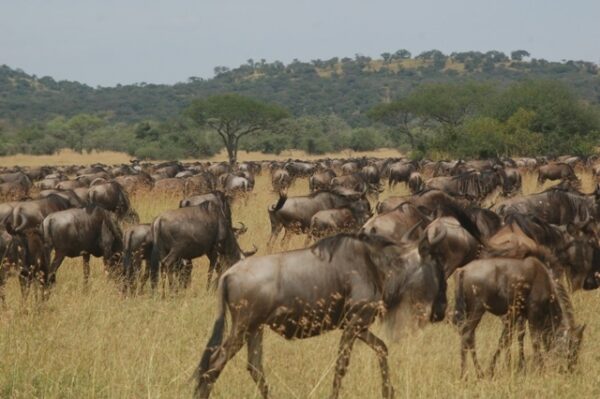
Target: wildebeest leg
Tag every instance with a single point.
(275, 230)
(166, 267)
(219, 359)
(145, 276)
(503, 344)
(467, 335)
(255, 366)
(521, 339)
(2, 282)
(86, 271)
(348, 337)
(25, 277)
(185, 274)
(382, 352)
(56, 262)
(536, 344)
(213, 258)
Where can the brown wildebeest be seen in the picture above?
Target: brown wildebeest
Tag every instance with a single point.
(556, 206)
(92, 231)
(342, 282)
(32, 258)
(137, 247)
(281, 180)
(341, 220)
(415, 182)
(518, 290)
(556, 171)
(321, 180)
(191, 232)
(31, 213)
(295, 213)
(137, 182)
(400, 172)
(112, 197)
(394, 225)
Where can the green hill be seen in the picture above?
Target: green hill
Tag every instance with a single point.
(346, 87)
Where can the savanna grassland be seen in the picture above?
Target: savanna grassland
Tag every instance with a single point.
(100, 345)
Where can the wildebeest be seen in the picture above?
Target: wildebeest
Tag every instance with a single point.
(281, 179)
(342, 282)
(137, 247)
(341, 220)
(31, 213)
(294, 214)
(190, 232)
(556, 171)
(321, 180)
(400, 172)
(112, 197)
(27, 249)
(92, 231)
(519, 291)
(554, 206)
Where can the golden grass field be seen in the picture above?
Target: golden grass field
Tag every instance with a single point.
(100, 345)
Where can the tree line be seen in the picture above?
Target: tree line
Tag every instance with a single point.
(464, 119)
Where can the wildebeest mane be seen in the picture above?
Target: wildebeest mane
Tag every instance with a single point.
(535, 228)
(327, 247)
(449, 209)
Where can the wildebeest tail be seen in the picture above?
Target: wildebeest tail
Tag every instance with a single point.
(155, 254)
(460, 305)
(216, 337)
(280, 202)
(127, 255)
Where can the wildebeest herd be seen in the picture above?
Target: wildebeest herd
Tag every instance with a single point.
(516, 256)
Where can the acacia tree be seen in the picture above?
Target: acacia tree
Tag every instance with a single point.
(398, 115)
(233, 116)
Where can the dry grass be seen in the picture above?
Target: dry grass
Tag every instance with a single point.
(69, 157)
(102, 346)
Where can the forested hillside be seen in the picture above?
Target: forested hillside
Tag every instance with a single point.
(329, 101)
(346, 87)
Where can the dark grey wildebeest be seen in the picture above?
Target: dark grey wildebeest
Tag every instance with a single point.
(92, 231)
(29, 214)
(191, 232)
(112, 197)
(342, 282)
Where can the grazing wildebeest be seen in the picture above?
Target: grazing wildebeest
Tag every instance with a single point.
(31, 213)
(321, 180)
(137, 247)
(112, 197)
(190, 232)
(518, 290)
(342, 282)
(512, 181)
(28, 250)
(295, 213)
(92, 231)
(556, 171)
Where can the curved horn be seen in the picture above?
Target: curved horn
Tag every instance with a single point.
(406, 237)
(242, 229)
(437, 239)
(251, 252)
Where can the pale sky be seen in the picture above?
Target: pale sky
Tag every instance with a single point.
(105, 42)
